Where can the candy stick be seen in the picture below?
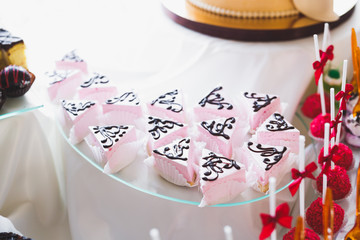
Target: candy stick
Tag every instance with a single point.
(343, 84)
(326, 138)
(326, 36)
(272, 186)
(154, 234)
(320, 83)
(332, 111)
(228, 233)
(324, 188)
(301, 169)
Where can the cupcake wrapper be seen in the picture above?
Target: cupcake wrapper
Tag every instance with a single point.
(123, 156)
(171, 174)
(231, 189)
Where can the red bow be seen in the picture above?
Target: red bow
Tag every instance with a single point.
(344, 96)
(327, 159)
(334, 124)
(319, 65)
(299, 176)
(269, 222)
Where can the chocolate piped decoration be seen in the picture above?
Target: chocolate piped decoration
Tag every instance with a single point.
(169, 100)
(215, 164)
(279, 124)
(267, 152)
(161, 126)
(76, 108)
(110, 134)
(125, 97)
(96, 79)
(260, 101)
(177, 150)
(218, 128)
(215, 98)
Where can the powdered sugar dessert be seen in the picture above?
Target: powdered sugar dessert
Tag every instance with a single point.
(70, 61)
(215, 104)
(123, 108)
(115, 146)
(259, 107)
(221, 178)
(168, 105)
(164, 131)
(342, 156)
(217, 134)
(265, 161)
(309, 235)
(277, 131)
(314, 216)
(337, 180)
(97, 87)
(78, 116)
(63, 83)
(317, 125)
(175, 162)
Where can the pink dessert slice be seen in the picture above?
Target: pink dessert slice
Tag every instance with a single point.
(63, 83)
(277, 131)
(221, 179)
(259, 107)
(124, 108)
(79, 115)
(72, 61)
(217, 134)
(175, 162)
(113, 145)
(164, 131)
(265, 161)
(168, 105)
(97, 87)
(215, 105)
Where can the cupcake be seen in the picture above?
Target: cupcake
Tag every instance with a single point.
(15, 81)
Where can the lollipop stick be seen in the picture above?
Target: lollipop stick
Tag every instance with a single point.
(272, 186)
(332, 111)
(343, 84)
(301, 168)
(154, 234)
(228, 233)
(320, 83)
(326, 138)
(326, 36)
(324, 188)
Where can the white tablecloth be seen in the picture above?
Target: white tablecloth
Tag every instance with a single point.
(136, 40)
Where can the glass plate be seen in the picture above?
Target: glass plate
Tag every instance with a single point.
(142, 178)
(19, 105)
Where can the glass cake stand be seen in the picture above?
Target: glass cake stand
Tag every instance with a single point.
(20, 105)
(142, 178)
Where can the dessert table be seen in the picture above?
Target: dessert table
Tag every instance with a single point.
(48, 190)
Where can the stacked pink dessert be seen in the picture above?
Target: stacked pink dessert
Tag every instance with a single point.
(222, 144)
